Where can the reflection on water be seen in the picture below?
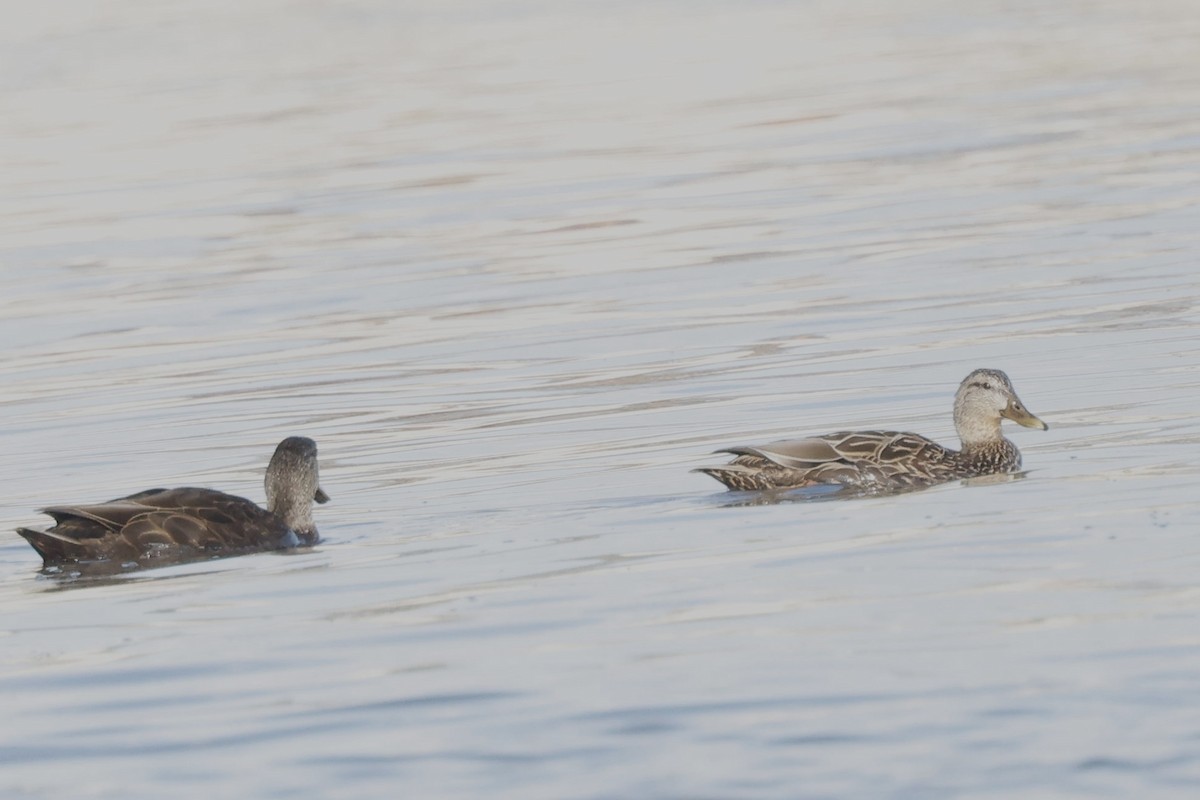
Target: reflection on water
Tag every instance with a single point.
(811, 494)
(109, 572)
(519, 268)
(825, 492)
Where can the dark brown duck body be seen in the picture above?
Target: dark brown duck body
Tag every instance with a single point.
(883, 461)
(166, 526)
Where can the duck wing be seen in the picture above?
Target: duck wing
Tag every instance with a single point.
(790, 453)
(848, 457)
(157, 524)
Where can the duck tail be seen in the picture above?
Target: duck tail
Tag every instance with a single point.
(51, 547)
(737, 478)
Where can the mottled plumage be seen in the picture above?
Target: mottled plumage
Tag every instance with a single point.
(169, 526)
(890, 460)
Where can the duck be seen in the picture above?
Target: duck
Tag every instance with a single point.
(878, 461)
(168, 526)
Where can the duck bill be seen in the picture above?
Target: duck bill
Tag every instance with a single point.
(320, 496)
(1019, 415)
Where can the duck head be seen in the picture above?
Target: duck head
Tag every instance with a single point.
(984, 398)
(292, 486)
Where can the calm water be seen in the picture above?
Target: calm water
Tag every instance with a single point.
(518, 267)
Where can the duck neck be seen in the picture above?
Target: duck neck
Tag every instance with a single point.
(297, 516)
(976, 433)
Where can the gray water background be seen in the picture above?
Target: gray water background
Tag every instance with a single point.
(518, 267)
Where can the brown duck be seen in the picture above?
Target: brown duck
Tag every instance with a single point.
(168, 526)
(888, 460)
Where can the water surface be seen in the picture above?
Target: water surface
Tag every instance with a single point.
(519, 267)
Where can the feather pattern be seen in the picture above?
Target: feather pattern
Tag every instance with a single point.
(878, 460)
(161, 526)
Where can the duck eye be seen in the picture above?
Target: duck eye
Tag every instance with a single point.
(987, 386)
